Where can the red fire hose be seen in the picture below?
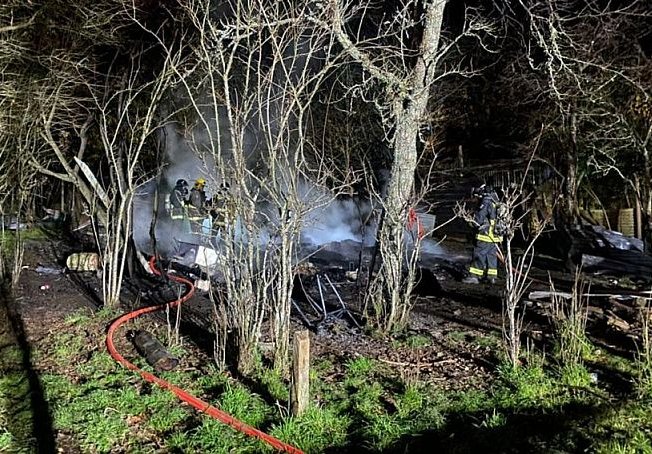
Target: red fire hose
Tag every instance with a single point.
(180, 393)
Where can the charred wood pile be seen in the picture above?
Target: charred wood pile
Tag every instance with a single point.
(329, 287)
(618, 318)
(598, 251)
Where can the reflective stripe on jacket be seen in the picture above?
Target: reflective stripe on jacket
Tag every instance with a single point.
(490, 237)
(485, 217)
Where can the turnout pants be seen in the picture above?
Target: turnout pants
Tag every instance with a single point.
(485, 259)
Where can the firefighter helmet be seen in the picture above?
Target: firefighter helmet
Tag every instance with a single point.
(181, 183)
(480, 191)
(200, 183)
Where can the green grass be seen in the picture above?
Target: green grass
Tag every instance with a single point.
(16, 423)
(211, 379)
(494, 420)
(627, 429)
(80, 318)
(177, 350)
(360, 370)
(366, 401)
(98, 415)
(417, 341)
(410, 402)
(381, 409)
(485, 341)
(575, 376)
(521, 387)
(16, 419)
(68, 346)
(11, 355)
(413, 341)
(360, 366)
(168, 418)
(243, 405)
(7, 442)
(488, 341)
(643, 373)
(102, 370)
(8, 238)
(109, 407)
(272, 380)
(60, 388)
(315, 430)
(470, 401)
(362, 404)
(367, 407)
(457, 336)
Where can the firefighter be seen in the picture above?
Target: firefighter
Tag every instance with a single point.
(485, 251)
(198, 195)
(178, 199)
(197, 205)
(220, 208)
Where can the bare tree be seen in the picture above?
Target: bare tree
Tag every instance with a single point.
(598, 77)
(90, 119)
(64, 108)
(18, 133)
(406, 73)
(517, 266)
(255, 74)
(119, 107)
(127, 116)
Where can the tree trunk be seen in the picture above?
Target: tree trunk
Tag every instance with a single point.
(408, 113)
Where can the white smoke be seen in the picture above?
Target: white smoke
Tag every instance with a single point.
(186, 158)
(189, 158)
(340, 220)
(432, 247)
(326, 218)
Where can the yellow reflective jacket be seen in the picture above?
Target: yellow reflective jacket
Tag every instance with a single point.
(485, 217)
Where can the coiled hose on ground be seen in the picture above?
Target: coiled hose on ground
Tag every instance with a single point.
(184, 396)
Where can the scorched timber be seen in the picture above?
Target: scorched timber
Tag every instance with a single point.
(619, 263)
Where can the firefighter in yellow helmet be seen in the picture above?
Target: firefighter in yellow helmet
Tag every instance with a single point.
(198, 195)
(197, 204)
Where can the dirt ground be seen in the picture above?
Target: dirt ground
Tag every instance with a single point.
(453, 340)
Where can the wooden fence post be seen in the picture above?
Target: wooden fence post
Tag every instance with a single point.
(300, 391)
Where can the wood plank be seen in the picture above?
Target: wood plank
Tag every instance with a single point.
(300, 392)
